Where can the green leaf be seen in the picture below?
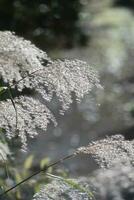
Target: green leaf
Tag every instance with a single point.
(44, 162)
(2, 88)
(28, 162)
(18, 177)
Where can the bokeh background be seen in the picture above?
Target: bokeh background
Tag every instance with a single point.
(99, 32)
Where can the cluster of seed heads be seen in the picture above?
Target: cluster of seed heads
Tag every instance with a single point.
(24, 66)
(109, 151)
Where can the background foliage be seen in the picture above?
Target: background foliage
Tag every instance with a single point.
(43, 21)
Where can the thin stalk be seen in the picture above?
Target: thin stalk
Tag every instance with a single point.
(38, 172)
(14, 84)
(16, 113)
(27, 76)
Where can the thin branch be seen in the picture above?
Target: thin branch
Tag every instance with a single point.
(38, 172)
(26, 76)
(16, 113)
(14, 84)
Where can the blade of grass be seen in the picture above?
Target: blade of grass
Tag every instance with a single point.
(38, 172)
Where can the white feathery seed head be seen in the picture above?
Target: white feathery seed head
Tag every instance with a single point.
(31, 116)
(18, 57)
(111, 150)
(63, 78)
(24, 66)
